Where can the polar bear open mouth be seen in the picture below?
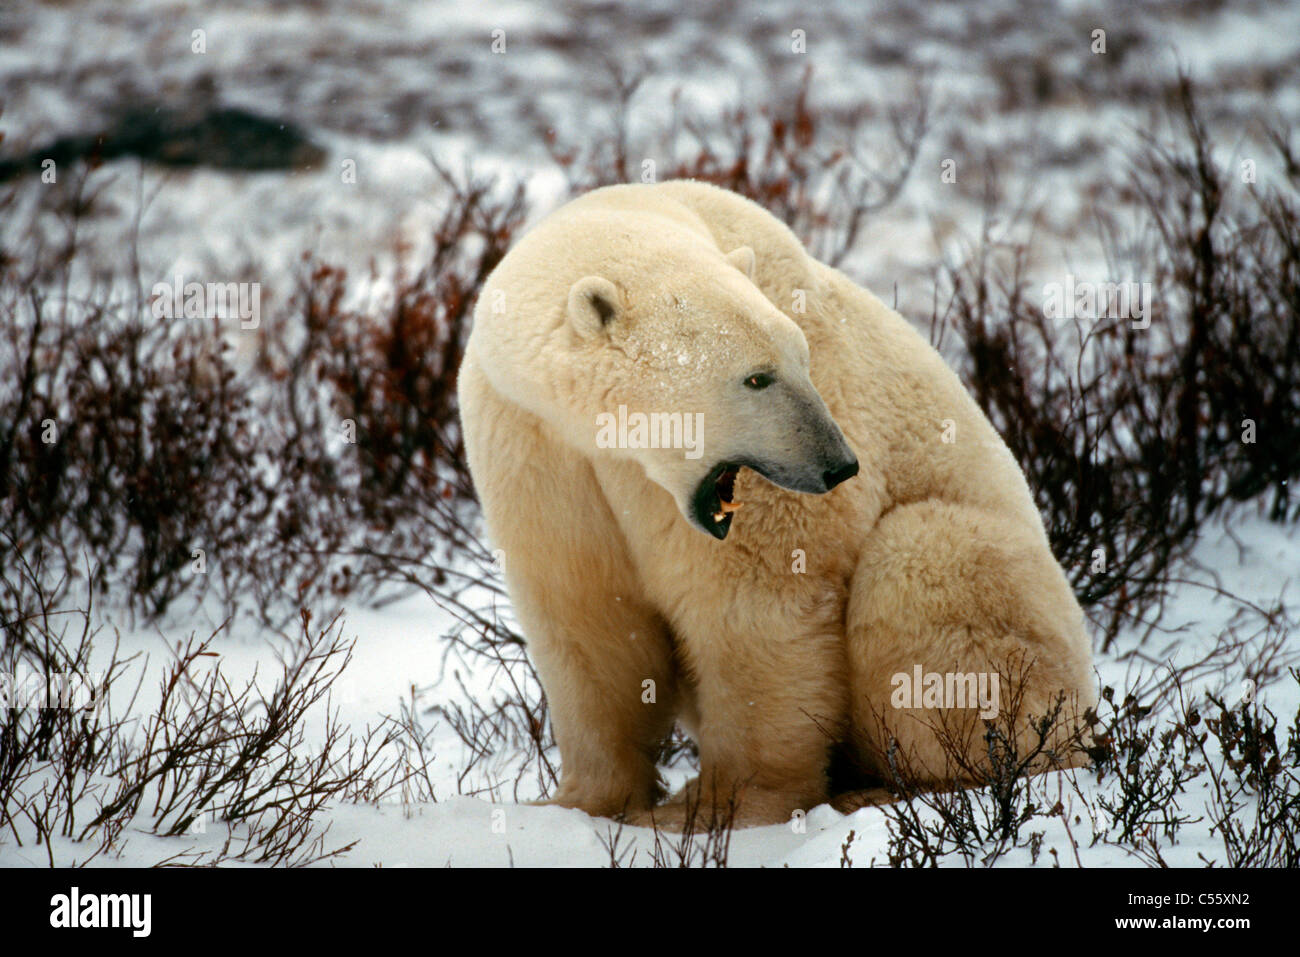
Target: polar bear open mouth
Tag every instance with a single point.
(714, 500)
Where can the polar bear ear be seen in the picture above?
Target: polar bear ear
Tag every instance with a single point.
(742, 257)
(593, 305)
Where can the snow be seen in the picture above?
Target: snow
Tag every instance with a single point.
(400, 647)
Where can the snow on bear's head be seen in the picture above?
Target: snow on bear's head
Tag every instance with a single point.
(665, 352)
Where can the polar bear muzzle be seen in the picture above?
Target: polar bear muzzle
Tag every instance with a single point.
(804, 450)
(714, 502)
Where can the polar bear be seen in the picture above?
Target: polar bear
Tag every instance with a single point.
(735, 490)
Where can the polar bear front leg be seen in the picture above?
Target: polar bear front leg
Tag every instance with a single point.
(771, 700)
(608, 679)
(603, 655)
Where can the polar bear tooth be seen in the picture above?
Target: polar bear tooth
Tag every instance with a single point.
(730, 506)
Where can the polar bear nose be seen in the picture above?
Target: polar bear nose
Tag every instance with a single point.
(841, 473)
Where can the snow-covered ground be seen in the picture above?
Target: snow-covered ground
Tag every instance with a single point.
(388, 84)
(400, 646)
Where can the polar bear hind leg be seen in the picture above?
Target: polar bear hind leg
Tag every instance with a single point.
(960, 593)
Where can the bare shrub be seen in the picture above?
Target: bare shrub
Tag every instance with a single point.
(138, 443)
(1133, 437)
(821, 174)
(240, 756)
(704, 840)
(85, 768)
(1255, 786)
(56, 750)
(982, 813)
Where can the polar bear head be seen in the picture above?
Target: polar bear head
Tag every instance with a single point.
(699, 378)
(664, 351)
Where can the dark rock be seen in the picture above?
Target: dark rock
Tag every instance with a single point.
(218, 137)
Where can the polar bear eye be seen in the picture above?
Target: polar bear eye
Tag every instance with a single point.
(759, 380)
